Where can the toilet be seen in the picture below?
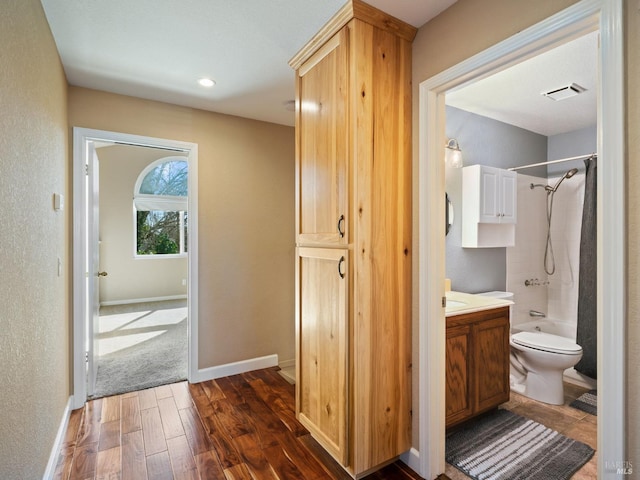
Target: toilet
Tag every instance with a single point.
(544, 358)
(538, 361)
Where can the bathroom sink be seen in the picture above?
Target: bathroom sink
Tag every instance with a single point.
(455, 303)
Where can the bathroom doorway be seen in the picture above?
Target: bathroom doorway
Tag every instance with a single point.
(567, 25)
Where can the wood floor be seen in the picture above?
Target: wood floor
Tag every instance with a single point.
(238, 427)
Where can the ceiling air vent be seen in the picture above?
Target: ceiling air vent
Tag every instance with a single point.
(565, 92)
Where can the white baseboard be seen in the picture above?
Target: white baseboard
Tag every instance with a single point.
(57, 444)
(287, 363)
(109, 303)
(412, 459)
(235, 368)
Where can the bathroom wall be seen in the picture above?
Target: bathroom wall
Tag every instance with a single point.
(557, 294)
(488, 142)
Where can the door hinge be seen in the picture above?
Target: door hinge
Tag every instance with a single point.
(444, 302)
(86, 357)
(86, 169)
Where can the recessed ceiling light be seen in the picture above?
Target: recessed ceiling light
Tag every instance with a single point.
(206, 82)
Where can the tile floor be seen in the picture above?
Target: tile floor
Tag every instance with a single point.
(567, 420)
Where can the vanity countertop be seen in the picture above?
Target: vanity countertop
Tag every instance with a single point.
(459, 303)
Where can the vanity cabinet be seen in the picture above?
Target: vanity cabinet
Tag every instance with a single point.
(477, 363)
(353, 237)
(489, 206)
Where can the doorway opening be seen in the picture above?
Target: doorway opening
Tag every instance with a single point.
(135, 262)
(569, 24)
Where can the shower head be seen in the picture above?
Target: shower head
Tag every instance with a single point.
(569, 174)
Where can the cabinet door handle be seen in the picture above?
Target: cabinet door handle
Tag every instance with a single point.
(341, 226)
(340, 262)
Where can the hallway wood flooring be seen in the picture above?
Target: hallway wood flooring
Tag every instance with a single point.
(232, 428)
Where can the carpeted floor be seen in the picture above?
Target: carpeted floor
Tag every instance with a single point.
(141, 346)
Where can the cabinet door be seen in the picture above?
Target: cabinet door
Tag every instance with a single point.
(321, 334)
(459, 379)
(489, 195)
(491, 357)
(322, 131)
(509, 196)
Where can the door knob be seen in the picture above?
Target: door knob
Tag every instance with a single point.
(101, 274)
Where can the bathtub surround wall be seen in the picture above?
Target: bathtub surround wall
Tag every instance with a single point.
(488, 142)
(525, 258)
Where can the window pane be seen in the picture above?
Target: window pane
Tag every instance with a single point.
(158, 232)
(168, 178)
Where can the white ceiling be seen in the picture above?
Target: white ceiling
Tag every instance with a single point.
(514, 95)
(159, 49)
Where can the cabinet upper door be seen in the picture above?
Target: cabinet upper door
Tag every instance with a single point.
(322, 329)
(489, 195)
(322, 143)
(509, 191)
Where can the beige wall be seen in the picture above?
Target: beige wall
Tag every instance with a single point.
(481, 24)
(246, 218)
(632, 85)
(130, 278)
(34, 299)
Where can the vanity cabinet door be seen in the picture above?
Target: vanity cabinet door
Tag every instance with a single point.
(491, 352)
(477, 363)
(459, 376)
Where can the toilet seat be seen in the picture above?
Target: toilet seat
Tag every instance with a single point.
(546, 342)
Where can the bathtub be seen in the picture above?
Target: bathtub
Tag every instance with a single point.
(547, 325)
(562, 329)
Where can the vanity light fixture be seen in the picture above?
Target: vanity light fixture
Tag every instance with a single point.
(206, 82)
(452, 153)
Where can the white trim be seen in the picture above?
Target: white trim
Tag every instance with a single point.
(580, 18)
(287, 363)
(57, 444)
(81, 137)
(412, 459)
(611, 242)
(235, 368)
(110, 303)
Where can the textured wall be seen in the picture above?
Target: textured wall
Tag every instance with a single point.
(34, 299)
(130, 278)
(246, 218)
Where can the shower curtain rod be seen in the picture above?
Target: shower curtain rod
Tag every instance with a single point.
(579, 157)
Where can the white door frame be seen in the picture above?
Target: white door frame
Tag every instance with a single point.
(82, 248)
(582, 17)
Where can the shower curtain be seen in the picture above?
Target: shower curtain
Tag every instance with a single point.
(586, 333)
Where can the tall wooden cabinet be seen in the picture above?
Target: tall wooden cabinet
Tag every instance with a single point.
(353, 237)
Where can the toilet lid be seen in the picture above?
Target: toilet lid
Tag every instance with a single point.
(546, 342)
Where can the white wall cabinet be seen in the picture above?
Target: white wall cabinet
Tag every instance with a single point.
(489, 206)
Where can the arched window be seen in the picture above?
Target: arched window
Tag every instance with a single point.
(160, 201)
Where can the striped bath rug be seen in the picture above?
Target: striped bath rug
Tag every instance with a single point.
(502, 445)
(587, 402)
